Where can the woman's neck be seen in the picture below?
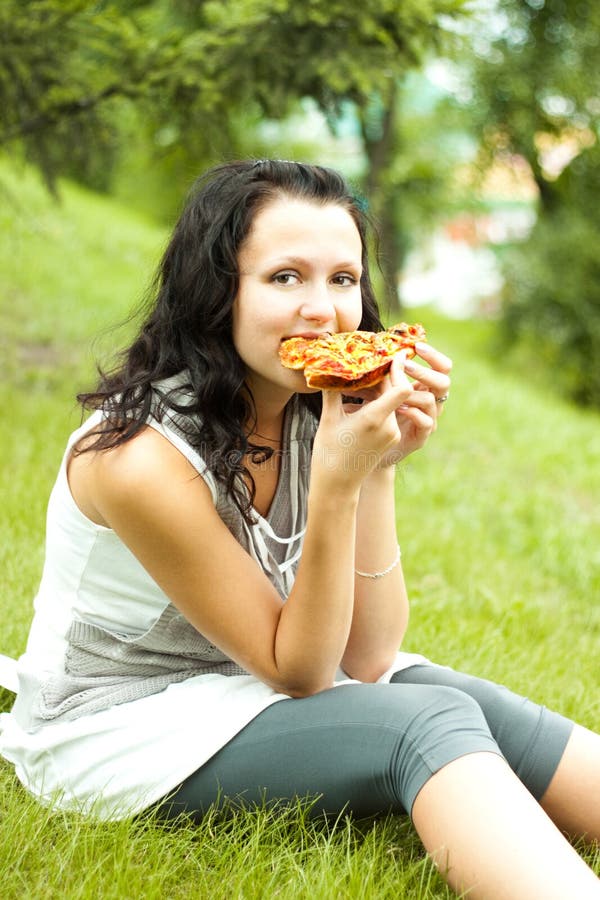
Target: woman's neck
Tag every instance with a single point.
(270, 413)
(267, 429)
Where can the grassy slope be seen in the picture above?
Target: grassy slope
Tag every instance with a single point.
(504, 564)
(499, 523)
(67, 273)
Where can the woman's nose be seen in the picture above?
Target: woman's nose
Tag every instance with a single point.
(317, 305)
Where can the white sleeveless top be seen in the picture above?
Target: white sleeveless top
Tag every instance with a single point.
(119, 697)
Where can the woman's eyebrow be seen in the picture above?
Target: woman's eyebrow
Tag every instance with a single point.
(306, 262)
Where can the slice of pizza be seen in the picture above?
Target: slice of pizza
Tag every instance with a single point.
(349, 360)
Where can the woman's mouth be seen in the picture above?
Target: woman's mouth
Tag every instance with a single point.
(307, 335)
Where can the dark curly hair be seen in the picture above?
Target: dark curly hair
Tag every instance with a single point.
(189, 323)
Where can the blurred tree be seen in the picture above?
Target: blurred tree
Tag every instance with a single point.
(537, 82)
(69, 70)
(552, 294)
(536, 93)
(61, 63)
(190, 66)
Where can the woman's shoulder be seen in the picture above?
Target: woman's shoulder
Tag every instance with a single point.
(121, 476)
(144, 462)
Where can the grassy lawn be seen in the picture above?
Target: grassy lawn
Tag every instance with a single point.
(499, 521)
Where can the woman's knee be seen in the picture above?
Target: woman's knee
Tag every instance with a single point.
(495, 700)
(435, 714)
(439, 724)
(531, 737)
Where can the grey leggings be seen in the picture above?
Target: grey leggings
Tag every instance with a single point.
(369, 748)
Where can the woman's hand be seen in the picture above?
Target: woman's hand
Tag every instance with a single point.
(352, 440)
(417, 416)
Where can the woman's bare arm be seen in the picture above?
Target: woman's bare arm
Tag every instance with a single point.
(150, 495)
(380, 615)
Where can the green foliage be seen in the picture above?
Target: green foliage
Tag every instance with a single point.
(272, 50)
(64, 67)
(104, 91)
(553, 284)
(157, 162)
(101, 91)
(37, 76)
(62, 62)
(536, 85)
(538, 71)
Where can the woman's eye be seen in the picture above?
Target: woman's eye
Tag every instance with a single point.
(344, 280)
(284, 278)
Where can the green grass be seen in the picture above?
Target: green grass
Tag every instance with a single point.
(499, 520)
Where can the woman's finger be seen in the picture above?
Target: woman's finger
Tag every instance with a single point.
(397, 368)
(428, 379)
(395, 388)
(434, 358)
(422, 400)
(423, 418)
(332, 402)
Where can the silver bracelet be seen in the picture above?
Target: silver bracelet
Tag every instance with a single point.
(383, 571)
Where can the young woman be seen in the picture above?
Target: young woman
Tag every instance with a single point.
(222, 600)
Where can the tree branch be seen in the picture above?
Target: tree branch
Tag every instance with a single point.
(71, 108)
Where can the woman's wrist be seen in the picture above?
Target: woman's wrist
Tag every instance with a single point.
(390, 464)
(382, 572)
(329, 492)
(380, 477)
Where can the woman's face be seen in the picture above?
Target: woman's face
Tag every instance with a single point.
(299, 274)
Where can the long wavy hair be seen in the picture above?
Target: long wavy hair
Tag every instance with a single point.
(188, 327)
